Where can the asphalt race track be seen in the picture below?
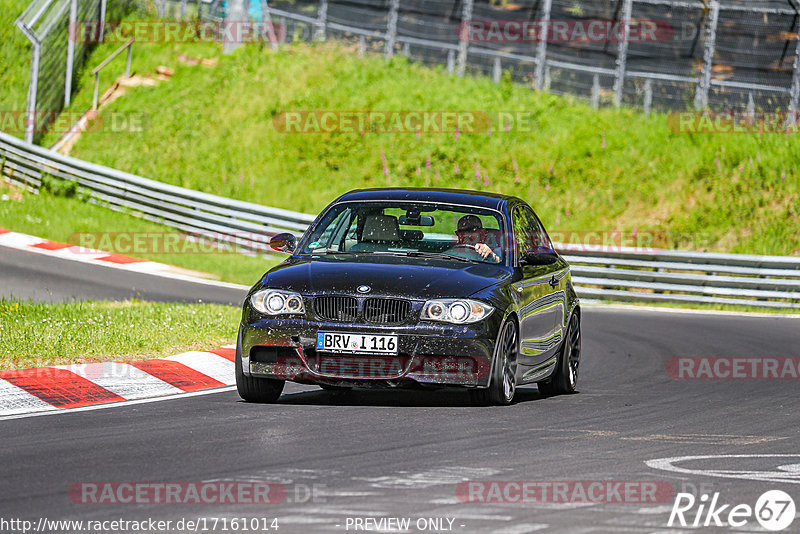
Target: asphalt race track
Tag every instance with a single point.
(28, 275)
(343, 456)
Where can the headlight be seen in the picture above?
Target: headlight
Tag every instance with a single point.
(457, 311)
(276, 302)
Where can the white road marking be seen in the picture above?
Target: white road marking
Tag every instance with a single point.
(599, 306)
(788, 476)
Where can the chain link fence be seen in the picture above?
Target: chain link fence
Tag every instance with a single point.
(720, 54)
(726, 54)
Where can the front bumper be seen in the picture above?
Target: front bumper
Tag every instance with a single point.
(430, 354)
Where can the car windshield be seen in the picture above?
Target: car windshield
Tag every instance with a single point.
(458, 233)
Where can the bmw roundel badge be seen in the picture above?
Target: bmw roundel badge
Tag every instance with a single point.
(364, 289)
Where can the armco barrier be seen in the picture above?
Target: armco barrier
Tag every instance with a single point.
(248, 225)
(617, 273)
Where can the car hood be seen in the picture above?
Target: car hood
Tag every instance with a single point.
(414, 278)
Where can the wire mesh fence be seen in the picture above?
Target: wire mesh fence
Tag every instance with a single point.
(655, 54)
(56, 53)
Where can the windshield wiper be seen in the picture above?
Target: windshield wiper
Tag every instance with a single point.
(423, 254)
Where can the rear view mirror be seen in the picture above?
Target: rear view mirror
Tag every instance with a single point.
(285, 243)
(415, 219)
(539, 256)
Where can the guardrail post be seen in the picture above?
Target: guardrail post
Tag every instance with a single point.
(234, 15)
(128, 61)
(267, 17)
(648, 97)
(463, 39)
(391, 28)
(33, 84)
(795, 90)
(622, 55)
(497, 70)
(102, 20)
(72, 34)
(596, 92)
(451, 62)
(96, 89)
(362, 46)
(541, 51)
(406, 49)
(704, 86)
(322, 21)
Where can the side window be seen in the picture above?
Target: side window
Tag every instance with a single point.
(545, 239)
(332, 236)
(527, 231)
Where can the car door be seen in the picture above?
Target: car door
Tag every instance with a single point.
(541, 297)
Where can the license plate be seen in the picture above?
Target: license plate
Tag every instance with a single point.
(356, 343)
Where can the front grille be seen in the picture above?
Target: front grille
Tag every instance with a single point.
(343, 309)
(386, 311)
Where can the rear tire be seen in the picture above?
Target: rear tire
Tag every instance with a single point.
(503, 380)
(565, 378)
(255, 389)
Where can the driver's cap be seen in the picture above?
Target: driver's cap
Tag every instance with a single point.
(469, 222)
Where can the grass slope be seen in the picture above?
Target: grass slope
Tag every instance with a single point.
(15, 59)
(211, 128)
(34, 335)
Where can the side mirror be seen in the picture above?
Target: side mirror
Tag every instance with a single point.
(539, 256)
(285, 243)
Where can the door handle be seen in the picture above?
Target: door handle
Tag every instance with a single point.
(553, 282)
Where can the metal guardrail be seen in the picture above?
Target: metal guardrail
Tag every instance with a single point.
(617, 273)
(247, 225)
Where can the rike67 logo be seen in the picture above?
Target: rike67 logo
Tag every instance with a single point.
(774, 511)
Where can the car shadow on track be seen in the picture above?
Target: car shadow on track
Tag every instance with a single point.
(395, 397)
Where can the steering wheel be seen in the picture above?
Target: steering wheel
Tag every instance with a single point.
(466, 247)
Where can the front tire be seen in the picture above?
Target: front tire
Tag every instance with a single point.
(503, 380)
(565, 378)
(255, 389)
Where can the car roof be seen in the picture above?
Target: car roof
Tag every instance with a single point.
(480, 199)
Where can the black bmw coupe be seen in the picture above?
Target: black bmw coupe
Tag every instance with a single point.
(414, 288)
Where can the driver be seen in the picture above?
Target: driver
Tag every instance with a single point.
(471, 234)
